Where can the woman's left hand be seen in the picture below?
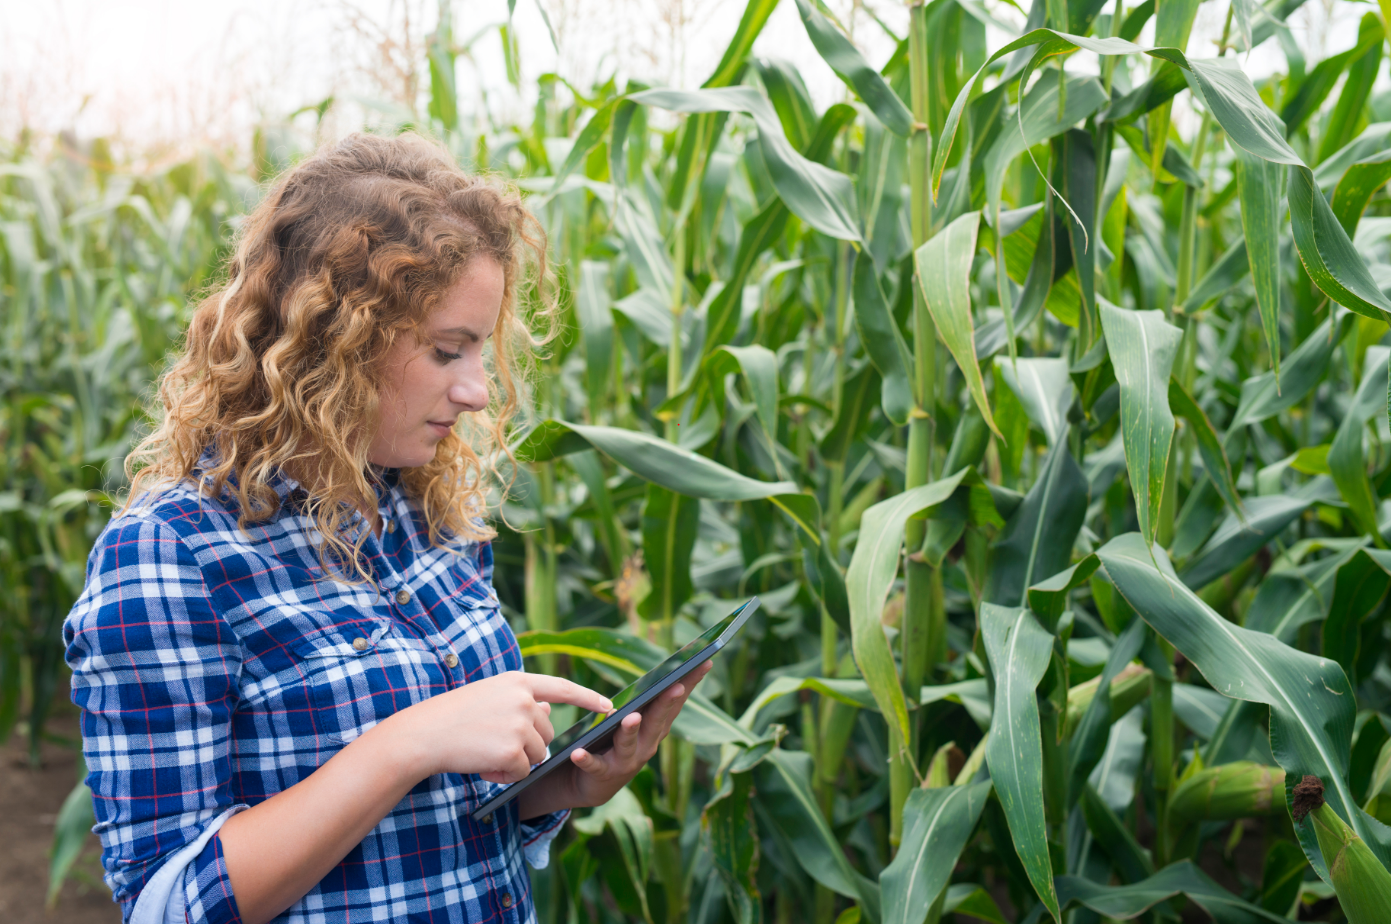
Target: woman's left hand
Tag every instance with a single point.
(593, 779)
(600, 776)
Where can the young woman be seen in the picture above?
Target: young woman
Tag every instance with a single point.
(294, 677)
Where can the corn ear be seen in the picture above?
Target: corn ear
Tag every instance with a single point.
(1241, 789)
(1362, 883)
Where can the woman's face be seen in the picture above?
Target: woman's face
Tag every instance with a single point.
(426, 388)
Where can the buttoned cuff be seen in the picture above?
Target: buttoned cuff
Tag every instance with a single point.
(537, 834)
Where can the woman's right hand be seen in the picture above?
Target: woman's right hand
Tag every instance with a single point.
(497, 727)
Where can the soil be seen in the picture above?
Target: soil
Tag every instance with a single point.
(29, 802)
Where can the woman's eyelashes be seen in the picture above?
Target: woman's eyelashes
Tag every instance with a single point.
(444, 357)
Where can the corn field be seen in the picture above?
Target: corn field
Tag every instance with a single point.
(1039, 392)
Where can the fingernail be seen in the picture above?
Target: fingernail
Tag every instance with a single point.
(608, 705)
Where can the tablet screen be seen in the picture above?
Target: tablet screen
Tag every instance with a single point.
(645, 682)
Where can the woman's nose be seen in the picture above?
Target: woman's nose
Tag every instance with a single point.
(470, 389)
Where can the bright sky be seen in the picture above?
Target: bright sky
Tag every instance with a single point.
(172, 72)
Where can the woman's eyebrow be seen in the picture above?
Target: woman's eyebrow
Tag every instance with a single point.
(466, 332)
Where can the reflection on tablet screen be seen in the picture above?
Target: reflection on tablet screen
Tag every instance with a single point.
(645, 682)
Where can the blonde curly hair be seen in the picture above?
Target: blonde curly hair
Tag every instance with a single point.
(281, 367)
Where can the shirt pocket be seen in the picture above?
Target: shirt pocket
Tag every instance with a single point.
(359, 673)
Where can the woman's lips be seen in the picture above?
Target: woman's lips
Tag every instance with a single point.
(440, 429)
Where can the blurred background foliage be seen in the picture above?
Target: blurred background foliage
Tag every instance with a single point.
(1038, 392)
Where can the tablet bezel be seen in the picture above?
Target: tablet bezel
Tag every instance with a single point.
(611, 722)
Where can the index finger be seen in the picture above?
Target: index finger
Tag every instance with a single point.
(548, 689)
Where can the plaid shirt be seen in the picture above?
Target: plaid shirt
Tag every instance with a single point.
(215, 669)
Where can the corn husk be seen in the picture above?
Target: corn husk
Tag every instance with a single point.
(1362, 883)
(1241, 789)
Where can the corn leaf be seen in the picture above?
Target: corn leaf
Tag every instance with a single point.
(883, 341)
(944, 275)
(872, 570)
(658, 461)
(850, 66)
(937, 824)
(1143, 347)
(1311, 704)
(1259, 184)
(1019, 651)
(823, 198)
(1346, 461)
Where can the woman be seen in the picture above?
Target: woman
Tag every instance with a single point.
(294, 677)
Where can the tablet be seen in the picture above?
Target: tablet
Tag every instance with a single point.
(595, 730)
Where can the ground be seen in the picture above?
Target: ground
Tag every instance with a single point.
(29, 803)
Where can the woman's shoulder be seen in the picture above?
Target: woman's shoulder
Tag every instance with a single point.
(172, 509)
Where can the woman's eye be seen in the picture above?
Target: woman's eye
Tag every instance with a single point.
(444, 356)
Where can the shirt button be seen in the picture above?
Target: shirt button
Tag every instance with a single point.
(507, 899)
(403, 597)
(487, 819)
(360, 644)
(451, 660)
(391, 526)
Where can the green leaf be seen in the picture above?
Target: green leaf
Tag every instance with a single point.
(70, 833)
(1311, 702)
(596, 324)
(1238, 538)
(850, 66)
(1289, 599)
(1352, 98)
(1131, 861)
(727, 72)
(883, 341)
(760, 368)
(1374, 140)
(589, 138)
(1143, 347)
(859, 395)
(1090, 739)
(669, 522)
(1331, 261)
(1225, 272)
(655, 460)
(762, 232)
(1346, 461)
(1262, 396)
(1356, 188)
(729, 824)
(1129, 901)
(631, 827)
(1020, 651)
(1259, 186)
(970, 899)
(1359, 591)
(872, 570)
(937, 823)
(1043, 385)
(1037, 539)
(822, 197)
(1214, 455)
(944, 275)
(785, 794)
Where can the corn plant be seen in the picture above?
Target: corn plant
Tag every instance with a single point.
(1050, 436)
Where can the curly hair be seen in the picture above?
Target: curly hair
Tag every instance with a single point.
(282, 364)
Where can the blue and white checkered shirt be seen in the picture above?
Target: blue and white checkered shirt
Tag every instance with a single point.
(215, 669)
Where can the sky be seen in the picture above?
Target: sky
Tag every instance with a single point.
(173, 73)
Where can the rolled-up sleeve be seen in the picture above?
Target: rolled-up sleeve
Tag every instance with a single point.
(155, 672)
(537, 834)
